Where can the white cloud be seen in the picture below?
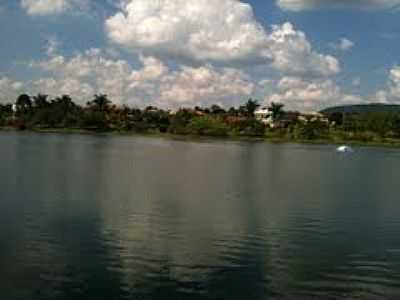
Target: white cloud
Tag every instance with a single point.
(89, 64)
(96, 71)
(156, 84)
(205, 86)
(300, 5)
(9, 89)
(310, 94)
(201, 38)
(392, 92)
(51, 7)
(54, 87)
(195, 29)
(293, 54)
(343, 44)
(153, 84)
(356, 81)
(206, 31)
(52, 46)
(152, 69)
(91, 71)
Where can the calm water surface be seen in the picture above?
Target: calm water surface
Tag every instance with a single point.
(92, 217)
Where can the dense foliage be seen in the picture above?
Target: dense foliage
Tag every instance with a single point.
(363, 108)
(100, 114)
(38, 112)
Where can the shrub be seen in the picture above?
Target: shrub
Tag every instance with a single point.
(208, 126)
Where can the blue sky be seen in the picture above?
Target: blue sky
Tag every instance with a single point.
(307, 54)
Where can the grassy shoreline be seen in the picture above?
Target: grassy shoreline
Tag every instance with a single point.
(392, 143)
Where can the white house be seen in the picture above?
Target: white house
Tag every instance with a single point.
(313, 117)
(264, 115)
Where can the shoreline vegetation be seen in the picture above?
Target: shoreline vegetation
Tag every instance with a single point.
(249, 122)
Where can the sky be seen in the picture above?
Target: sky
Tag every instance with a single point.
(306, 54)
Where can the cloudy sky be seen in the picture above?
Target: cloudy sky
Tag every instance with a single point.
(307, 54)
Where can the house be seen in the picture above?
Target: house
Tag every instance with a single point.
(199, 113)
(264, 116)
(313, 117)
(284, 120)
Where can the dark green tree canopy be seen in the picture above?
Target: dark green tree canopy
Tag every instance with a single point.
(276, 110)
(250, 107)
(100, 103)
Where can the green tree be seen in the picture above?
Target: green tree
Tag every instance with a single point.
(216, 109)
(233, 111)
(209, 126)
(24, 104)
(5, 114)
(65, 104)
(180, 120)
(6, 108)
(395, 125)
(250, 107)
(311, 130)
(336, 118)
(40, 101)
(100, 103)
(276, 110)
(252, 127)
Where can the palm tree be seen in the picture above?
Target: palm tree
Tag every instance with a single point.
(65, 103)
(216, 109)
(23, 104)
(40, 101)
(276, 110)
(233, 111)
(251, 106)
(100, 102)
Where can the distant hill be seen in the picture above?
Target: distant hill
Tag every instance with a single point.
(363, 108)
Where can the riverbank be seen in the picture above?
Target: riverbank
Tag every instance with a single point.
(384, 143)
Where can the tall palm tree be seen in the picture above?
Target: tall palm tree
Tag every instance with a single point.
(23, 104)
(276, 110)
(100, 102)
(65, 103)
(251, 106)
(40, 101)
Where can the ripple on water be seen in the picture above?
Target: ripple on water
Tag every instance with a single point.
(133, 218)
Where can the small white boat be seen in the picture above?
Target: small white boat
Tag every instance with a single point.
(344, 149)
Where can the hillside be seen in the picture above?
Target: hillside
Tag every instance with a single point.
(363, 108)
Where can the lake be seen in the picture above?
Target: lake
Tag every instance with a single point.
(113, 217)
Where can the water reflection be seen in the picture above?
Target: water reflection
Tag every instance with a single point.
(91, 217)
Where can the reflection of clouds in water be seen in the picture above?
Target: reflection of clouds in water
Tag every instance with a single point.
(219, 220)
(173, 220)
(200, 222)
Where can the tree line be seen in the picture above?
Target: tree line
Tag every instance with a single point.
(100, 114)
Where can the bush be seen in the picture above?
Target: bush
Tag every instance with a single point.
(253, 127)
(311, 130)
(180, 121)
(95, 120)
(208, 126)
